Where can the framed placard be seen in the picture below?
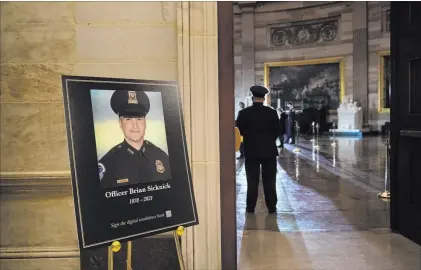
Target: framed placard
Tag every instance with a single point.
(130, 169)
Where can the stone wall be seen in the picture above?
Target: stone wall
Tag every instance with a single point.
(283, 14)
(378, 41)
(138, 40)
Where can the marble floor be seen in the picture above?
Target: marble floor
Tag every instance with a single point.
(328, 214)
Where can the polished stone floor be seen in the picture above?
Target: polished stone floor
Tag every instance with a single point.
(328, 214)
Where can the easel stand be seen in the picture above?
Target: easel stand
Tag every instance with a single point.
(317, 137)
(314, 132)
(386, 193)
(334, 137)
(116, 247)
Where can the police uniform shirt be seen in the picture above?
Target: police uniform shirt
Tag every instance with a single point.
(259, 126)
(125, 165)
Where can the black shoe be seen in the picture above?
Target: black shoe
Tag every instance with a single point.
(250, 211)
(272, 211)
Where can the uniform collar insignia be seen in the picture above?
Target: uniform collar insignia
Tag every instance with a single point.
(121, 181)
(132, 150)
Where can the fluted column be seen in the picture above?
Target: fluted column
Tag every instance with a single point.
(198, 78)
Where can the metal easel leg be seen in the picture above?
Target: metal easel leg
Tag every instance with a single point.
(177, 234)
(129, 255)
(110, 258)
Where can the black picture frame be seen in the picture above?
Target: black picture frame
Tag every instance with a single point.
(101, 220)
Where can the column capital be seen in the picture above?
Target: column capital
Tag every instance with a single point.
(247, 6)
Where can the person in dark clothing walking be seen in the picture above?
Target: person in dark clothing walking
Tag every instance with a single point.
(282, 127)
(259, 126)
(241, 105)
(290, 130)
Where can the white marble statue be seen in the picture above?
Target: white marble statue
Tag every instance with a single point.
(349, 115)
(248, 100)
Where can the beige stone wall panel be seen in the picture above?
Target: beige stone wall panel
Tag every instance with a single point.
(33, 137)
(37, 12)
(153, 13)
(37, 43)
(41, 264)
(125, 44)
(38, 221)
(32, 83)
(146, 70)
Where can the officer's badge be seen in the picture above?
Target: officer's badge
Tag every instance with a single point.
(159, 166)
(101, 170)
(132, 98)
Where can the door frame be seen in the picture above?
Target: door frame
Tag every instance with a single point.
(394, 126)
(226, 134)
(226, 94)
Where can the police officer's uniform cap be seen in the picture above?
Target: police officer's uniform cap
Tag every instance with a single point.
(130, 103)
(259, 91)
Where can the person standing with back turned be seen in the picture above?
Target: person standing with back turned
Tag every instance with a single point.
(259, 126)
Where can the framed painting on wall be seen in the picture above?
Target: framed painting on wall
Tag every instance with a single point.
(313, 83)
(384, 82)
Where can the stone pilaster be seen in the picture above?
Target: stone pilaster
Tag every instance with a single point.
(198, 79)
(248, 48)
(360, 56)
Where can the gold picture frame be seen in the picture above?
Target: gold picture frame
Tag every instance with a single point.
(380, 83)
(327, 60)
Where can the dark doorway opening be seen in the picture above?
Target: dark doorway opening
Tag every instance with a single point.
(405, 125)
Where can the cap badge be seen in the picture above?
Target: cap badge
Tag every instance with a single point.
(159, 166)
(132, 98)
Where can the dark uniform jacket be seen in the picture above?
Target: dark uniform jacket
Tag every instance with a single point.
(283, 122)
(124, 165)
(259, 126)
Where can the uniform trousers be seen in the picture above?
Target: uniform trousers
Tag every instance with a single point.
(252, 166)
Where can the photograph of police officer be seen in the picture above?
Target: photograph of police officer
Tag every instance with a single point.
(132, 159)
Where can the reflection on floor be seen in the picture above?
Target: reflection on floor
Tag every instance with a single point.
(328, 217)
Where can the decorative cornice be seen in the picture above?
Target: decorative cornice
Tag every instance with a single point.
(39, 252)
(263, 3)
(244, 4)
(36, 182)
(311, 5)
(304, 33)
(247, 6)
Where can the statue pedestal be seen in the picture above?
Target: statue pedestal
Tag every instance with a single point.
(350, 120)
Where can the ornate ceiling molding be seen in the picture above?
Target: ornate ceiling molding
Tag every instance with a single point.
(300, 34)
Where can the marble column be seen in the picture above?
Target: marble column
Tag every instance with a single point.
(360, 56)
(247, 40)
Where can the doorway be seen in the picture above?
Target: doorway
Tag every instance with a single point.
(407, 138)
